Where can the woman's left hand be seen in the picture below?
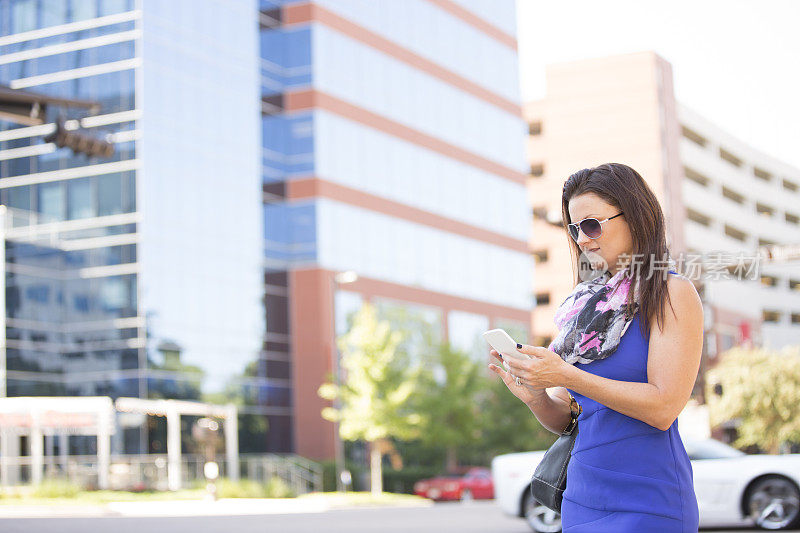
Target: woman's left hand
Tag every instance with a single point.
(544, 369)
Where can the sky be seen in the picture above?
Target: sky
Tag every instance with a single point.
(735, 62)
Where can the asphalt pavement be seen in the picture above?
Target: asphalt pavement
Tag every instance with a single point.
(479, 516)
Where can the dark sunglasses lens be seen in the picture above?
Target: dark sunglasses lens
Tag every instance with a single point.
(591, 227)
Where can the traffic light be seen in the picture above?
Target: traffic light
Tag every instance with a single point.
(79, 142)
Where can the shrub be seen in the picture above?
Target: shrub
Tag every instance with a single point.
(244, 488)
(56, 488)
(277, 488)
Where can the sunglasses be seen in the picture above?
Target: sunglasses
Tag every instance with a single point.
(591, 227)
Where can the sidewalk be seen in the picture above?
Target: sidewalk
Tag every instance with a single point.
(228, 506)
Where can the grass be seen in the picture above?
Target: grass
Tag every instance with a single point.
(96, 497)
(364, 498)
(57, 491)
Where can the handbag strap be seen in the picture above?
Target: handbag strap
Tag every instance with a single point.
(575, 410)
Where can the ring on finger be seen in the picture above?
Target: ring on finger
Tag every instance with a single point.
(518, 383)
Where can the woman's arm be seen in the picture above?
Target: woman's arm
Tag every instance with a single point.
(551, 408)
(672, 366)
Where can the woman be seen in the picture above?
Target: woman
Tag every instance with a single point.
(629, 362)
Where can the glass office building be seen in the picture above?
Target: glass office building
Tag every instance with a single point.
(261, 147)
(140, 274)
(393, 146)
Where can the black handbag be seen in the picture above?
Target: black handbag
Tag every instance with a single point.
(550, 477)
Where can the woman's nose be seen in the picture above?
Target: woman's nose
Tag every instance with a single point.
(582, 239)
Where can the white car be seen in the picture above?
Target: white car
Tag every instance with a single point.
(732, 488)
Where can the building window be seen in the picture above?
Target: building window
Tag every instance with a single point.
(17, 197)
(542, 298)
(535, 127)
(795, 318)
(519, 331)
(542, 340)
(794, 284)
(696, 176)
(23, 16)
(761, 174)
(792, 219)
(729, 157)
(51, 201)
(726, 341)
(700, 218)
(109, 194)
(540, 212)
(766, 242)
(79, 199)
(765, 210)
(540, 256)
(269, 18)
(464, 330)
(732, 195)
(790, 185)
(694, 136)
(770, 316)
(730, 231)
(769, 281)
(537, 170)
(272, 104)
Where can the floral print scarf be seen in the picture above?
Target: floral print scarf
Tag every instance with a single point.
(593, 318)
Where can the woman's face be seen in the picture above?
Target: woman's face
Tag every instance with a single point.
(615, 239)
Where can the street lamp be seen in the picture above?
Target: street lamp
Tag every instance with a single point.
(206, 432)
(338, 278)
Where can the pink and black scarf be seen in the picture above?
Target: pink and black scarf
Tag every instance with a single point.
(593, 318)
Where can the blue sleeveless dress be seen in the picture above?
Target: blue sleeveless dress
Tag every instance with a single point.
(625, 475)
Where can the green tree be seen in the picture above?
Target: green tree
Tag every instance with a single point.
(761, 388)
(451, 389)
(375, 390)
(508, 425)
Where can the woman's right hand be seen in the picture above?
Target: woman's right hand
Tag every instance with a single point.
(524, 392)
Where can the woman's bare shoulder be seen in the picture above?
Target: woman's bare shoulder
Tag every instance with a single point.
(679, 286)
(683, 299)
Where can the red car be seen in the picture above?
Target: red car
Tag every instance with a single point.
(475, 484)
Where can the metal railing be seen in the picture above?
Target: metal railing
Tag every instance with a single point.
(149, 471)
(299, 473)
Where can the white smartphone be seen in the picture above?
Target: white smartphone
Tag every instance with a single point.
(504, 344)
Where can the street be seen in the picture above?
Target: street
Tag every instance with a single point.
(483, 516)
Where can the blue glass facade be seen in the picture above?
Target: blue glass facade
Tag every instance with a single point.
(164, 270)
(201, 250)
(146, 278)
(308, 53)
(72, 283)
(300, 144)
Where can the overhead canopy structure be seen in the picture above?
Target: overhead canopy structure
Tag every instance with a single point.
(173, 409)
(38, 416)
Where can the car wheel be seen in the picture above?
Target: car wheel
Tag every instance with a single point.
(774, 503)
(466, 495)
(541, 519)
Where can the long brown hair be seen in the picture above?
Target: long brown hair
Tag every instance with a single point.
(623, 187)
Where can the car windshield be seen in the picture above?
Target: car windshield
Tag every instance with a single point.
(710, 449)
